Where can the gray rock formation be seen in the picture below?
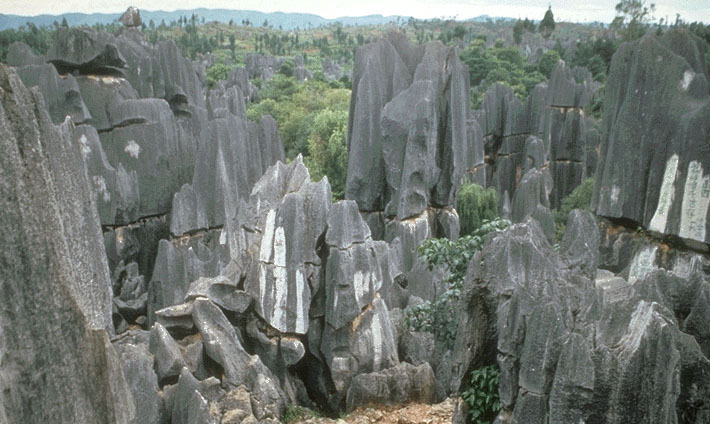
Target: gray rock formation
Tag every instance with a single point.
(572, 349)
(531, 199)
(548, 130)
(654, 155)
(56, 314)
(137, 365)
(401, 384)
(408, 135)
(62, 95)
(131, 17)
(168, 359)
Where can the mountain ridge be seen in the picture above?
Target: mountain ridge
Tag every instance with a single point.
(287, 21)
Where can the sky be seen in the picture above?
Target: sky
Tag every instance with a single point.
(564, 10)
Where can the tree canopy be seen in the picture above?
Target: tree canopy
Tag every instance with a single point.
(633, 18)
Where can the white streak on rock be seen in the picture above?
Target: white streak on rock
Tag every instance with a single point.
(688, 76)
(696, 199)
(376, 330)
(101, 189)
(301, 327)
(665, 199)
(280, 298)
(133, 149)
(615, 195)
(280, 247)
(267, 240)
(85, 149)
(642, 263)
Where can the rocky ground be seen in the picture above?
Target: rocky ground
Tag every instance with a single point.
(413, 413)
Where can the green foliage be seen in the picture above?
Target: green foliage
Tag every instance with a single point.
(521, 27)
(547, 62)
(633, 18)
(327, 150)
(217, 72)
(295, 106)
(498, 64)
(440, 316)
(38, 38)
(482, 395)
(476, 205)
(286, 68)
(579, 198)
(547, 25)
(295, 414)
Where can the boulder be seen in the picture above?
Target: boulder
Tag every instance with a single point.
(131, 17)
(168, 360)
(397, 385)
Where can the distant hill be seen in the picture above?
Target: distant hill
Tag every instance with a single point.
(276, 19)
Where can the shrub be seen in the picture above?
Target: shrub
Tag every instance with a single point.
(580, 198)
(474, 206)
(482, 395)
(296, 413)
(217, 72)
(440, 316)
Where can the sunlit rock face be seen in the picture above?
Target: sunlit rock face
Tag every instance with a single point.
(655, 157)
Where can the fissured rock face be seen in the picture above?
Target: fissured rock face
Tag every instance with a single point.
(571, 348)
(655, 158)
(56, 310)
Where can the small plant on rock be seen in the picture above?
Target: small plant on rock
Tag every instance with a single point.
(440, 316)
(482, 395)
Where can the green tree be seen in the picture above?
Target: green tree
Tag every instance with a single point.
(547, 25)
(328, 155)
(633, 18)
(579, 198)
(518, 30)
(475, 205)
(219, 71)
(547, 62)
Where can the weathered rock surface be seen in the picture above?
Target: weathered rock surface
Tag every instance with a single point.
(549, 130)
(397, 385)
(570, 349)
(131, 17)
(655, 154)
(137, 365)
(408, 135)
(168, 359)
(56, 313)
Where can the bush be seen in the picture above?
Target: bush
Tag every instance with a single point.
(440, 317)
(296, 414)
(580, 198)
(475, 205)
(482, 395)
(217, 72)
